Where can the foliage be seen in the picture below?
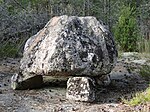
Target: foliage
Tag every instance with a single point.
(145, 72)
(126, 30)
(31, 15)
(139, 98)
(144, 45)
(8, 50)
(11, 9)
(11, 49)
(1, 1)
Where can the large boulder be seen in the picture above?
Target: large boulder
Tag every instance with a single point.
(69, 46)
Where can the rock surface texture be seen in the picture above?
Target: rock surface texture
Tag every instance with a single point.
(81, 89)
(68, 46)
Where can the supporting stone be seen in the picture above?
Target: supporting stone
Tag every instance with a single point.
(81, 89)
(20, 83)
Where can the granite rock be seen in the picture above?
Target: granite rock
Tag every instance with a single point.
(81, 89)
(69, 46)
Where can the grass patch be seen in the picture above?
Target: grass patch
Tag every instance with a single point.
(8, 50)
(144, 46)
(139, 98)
(145, 55)
(11, 49)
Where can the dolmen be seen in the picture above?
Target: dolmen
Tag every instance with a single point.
(80, 48)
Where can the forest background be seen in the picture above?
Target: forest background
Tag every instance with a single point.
(128, 20)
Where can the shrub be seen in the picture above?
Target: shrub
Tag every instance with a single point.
(126, 30)
(11, 49)
(8, 50)
(145, 72)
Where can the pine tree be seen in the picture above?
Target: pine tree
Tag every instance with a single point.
(126, 30)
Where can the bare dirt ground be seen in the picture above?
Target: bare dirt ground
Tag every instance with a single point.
(51, 97)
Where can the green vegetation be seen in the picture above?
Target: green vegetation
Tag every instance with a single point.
(126, 31)
(145, 72)
(1, 1)
(120, 16)
(144, 45)
(11, 49)
(8, 50)
(139, 98)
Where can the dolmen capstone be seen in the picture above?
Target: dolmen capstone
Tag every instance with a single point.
(80, 48)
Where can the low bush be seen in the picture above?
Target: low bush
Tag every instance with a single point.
(145, 72)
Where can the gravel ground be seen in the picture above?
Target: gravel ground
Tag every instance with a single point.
(51, 97)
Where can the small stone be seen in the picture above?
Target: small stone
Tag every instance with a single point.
(80, 89)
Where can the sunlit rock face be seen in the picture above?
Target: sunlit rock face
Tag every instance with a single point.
(70, 45)
(67, 46)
